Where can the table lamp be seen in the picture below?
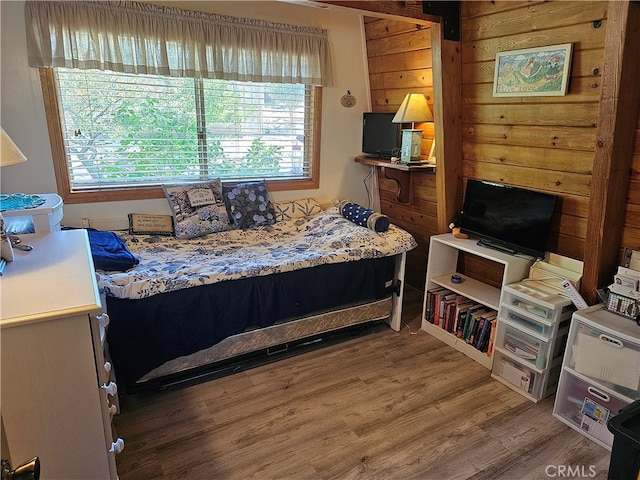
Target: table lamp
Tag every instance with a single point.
(414, 108)
(10, 154)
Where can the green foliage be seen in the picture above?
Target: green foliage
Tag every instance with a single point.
(262, 158)
(140, 129)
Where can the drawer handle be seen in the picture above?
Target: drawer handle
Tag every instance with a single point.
(107, 367)
(103, 319)
(113, 410)
(111, 389)
(614, 342)
(117, 446)
(598, 393)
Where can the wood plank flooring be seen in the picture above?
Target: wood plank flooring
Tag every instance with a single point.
(382, 406)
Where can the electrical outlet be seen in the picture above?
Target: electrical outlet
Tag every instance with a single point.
(85, 223)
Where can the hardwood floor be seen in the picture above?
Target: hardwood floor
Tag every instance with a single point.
(383, 406)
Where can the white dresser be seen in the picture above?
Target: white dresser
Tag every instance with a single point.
(55, 388)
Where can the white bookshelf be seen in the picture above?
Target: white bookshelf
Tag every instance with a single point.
(441, 265)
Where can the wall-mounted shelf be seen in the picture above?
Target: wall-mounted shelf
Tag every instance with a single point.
(400, 173)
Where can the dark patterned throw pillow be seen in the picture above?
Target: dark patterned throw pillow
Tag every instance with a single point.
(249, 204)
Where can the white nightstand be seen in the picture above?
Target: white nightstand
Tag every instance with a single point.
(45, 218)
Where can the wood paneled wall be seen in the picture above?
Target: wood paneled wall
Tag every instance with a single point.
(548, 144)
(399, 58)
(631, 230)
(541, 143)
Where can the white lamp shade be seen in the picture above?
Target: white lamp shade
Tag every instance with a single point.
(10, 154)
(414, 108)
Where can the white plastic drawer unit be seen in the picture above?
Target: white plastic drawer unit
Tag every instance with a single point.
(587, 406)
(609, 356)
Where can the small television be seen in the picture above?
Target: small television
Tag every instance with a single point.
(380, 136)
(512, 219)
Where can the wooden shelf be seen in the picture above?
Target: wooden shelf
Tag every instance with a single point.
(405, 167)
(400, 173)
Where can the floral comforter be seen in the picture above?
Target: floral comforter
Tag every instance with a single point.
(167, 264)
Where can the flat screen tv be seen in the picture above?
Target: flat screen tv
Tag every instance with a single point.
(511, 219)
(380, 137)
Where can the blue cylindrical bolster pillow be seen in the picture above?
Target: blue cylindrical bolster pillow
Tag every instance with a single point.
(363, 216)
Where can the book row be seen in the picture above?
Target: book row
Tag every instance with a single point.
(466, 319)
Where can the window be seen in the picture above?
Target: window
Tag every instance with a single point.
(123, 135)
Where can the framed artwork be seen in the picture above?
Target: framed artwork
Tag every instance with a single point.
(539, 72)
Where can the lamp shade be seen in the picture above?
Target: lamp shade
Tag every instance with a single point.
(414, 108)
(10, 154)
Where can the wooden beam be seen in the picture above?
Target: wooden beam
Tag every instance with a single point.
(406, 10)
(447, 113)
(618, 117)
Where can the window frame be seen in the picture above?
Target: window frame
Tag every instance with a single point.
(58, 152)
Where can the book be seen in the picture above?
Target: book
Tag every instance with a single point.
(438, 297)
(477, 328)
(430, 303)
(484, 329)
(452, 311)
(473, 317)
(445, 300)
(492, 336)
(469, 320)
(460, 316)
(484, 347)
(449, 315)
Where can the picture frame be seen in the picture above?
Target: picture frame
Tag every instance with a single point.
(533, 72)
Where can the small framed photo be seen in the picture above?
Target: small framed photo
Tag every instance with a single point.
(533, 72)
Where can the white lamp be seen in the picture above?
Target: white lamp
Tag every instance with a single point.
(414, 108)
(10, 154)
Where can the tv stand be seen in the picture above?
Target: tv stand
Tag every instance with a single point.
(495, 246)
(441, 266)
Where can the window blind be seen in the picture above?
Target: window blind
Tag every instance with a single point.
(125, 130)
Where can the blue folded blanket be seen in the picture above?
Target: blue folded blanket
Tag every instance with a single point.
(364, 217)
(109, 251)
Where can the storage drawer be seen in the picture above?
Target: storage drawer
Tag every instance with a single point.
(605, 357)
(518, 375)
(527, 323)
(587, 406)
(526, 347)
(535, 304)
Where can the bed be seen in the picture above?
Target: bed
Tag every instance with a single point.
(193, 305)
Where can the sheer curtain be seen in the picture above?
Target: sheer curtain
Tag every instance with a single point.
(141, 38)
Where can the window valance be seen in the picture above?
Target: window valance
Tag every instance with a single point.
(132, 37)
